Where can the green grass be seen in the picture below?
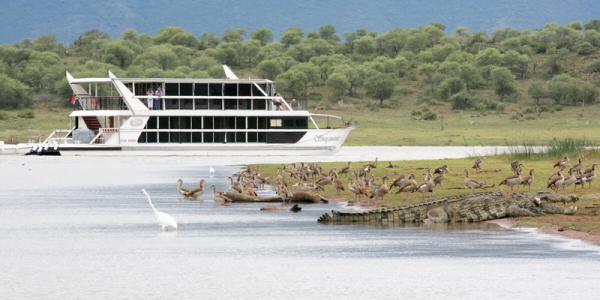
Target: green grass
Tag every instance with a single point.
(25, 124)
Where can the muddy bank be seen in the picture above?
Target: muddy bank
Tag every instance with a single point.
(594, 239)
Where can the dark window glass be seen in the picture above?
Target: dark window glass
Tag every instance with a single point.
(201, 89)
(262, 137)
(186, 104)
(185, 137)
(185, 123)
(152, 123)
(240, 123)
(208, 137)
(251, 137)
(230, 103)
(201, 103)
(240, 137)
(186, 89)
(151, 137)
(284, 137)
(263, 86)
(219, 122)
(208, 123)
(174, 122)
(256, 91)
(216, 104)
(262, 123)
(215, 89)
(172, 103)
(163, 137)
(196, 122)
(302, 123)
(259, 104)
(142, 138)
(196, 137)
(288, 123)
(163, 122)
(245, 89)
(174, 137)
(171, 89)
(252, 123)
(219, 137)
(230, 137)
(244, 104)
(229, 122)
(230, 90)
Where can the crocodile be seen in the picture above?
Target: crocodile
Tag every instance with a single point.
(475, 207)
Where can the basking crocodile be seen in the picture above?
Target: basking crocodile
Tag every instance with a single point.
(460, 209)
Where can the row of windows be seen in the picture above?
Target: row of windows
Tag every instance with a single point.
(226, 123)
(202, 89)
(220, 137)
(218, 104)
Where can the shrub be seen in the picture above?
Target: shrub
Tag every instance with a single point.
(424, 114)
(26, 114)
(3, 116)
(463, 101)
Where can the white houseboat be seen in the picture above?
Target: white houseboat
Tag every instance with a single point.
(194, 116)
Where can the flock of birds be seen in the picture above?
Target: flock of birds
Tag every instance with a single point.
(311, 178)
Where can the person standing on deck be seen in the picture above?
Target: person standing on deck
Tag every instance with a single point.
(158, 98)
(150, 99)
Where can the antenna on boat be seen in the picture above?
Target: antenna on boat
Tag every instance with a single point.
(229, 73)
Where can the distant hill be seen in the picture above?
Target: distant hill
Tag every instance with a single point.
(67, 19)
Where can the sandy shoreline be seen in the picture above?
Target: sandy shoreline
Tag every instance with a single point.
(553, 230)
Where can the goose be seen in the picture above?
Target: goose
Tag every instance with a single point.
(556, 181)
(513, 180)
(400, 181)
(373, 165)
(193, 193)
(441, 170)
(477, 165)
(339, 185)
(345, 170)
(409, 185)
(561, 162)
(165, 221)
(296, 208)
(380, 191)
(587, 177)
(577, 167)
(425, 187)
(591, 169)
(391, 166)
(437, 180)
(528, 180)
(472, 183)
(569, 180)
(220, 196)
(516, 166)
(180, 188)
(235, 185)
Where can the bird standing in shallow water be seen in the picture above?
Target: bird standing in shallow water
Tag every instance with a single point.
(165, 221)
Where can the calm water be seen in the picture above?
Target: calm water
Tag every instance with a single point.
(80, 228)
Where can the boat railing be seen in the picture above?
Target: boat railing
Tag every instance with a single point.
(60, 136)
(272, 103)
(104, 134)
(325, 121)
(100, 103)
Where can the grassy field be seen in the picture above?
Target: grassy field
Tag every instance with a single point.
(494, 170)
(390, 127)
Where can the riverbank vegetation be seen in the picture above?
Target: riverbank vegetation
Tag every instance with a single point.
(493, 170)
(427, 85)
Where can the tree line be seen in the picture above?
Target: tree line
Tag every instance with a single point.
(554, 65)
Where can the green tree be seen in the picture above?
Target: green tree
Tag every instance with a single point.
(293, 82)
(450, 86)
(263, 35)
(338, 84)
(161, 56)
(365, 45)
(328, 33)
(380, 87)
(292, 36)
(503, 81)
(270, 68)
(176, 36)
(489, 56)
(234, 35)
(118, 53)
(13, 93)
(537, 90)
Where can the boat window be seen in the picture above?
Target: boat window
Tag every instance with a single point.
(230, 90)
(240, 123)
(196, 122)
(256, 91)
(262, 137)
(259, 104)
(174, 137)
(229, 122)
(263, 86)
(208, 137)
(186, 89)
(262, 123)
(172, 103)
(284, 137)
(163, 137)
(201, 103)
(174, 122)
(208, 123)
(240, 137)
(230, 137)
(185, 123)
(152, 123)
(201, 89)
(252, 123)
(163, 122)
(219, 137)
(288, 123)
(275, 123)
(245, 89)
(151, 137)
(185, 137)
(252, 137)
(230, 103)
(244, 104)
(171, 89)
(186, 104)
(196, 137)
(219, 122)
(216, 104)
(215, 89)
(302, 123)
(142, 138)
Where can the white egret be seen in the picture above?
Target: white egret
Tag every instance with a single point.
(165, 221)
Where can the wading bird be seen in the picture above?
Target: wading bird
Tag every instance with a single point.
(165, 221)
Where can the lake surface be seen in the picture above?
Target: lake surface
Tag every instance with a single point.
(79, 227)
